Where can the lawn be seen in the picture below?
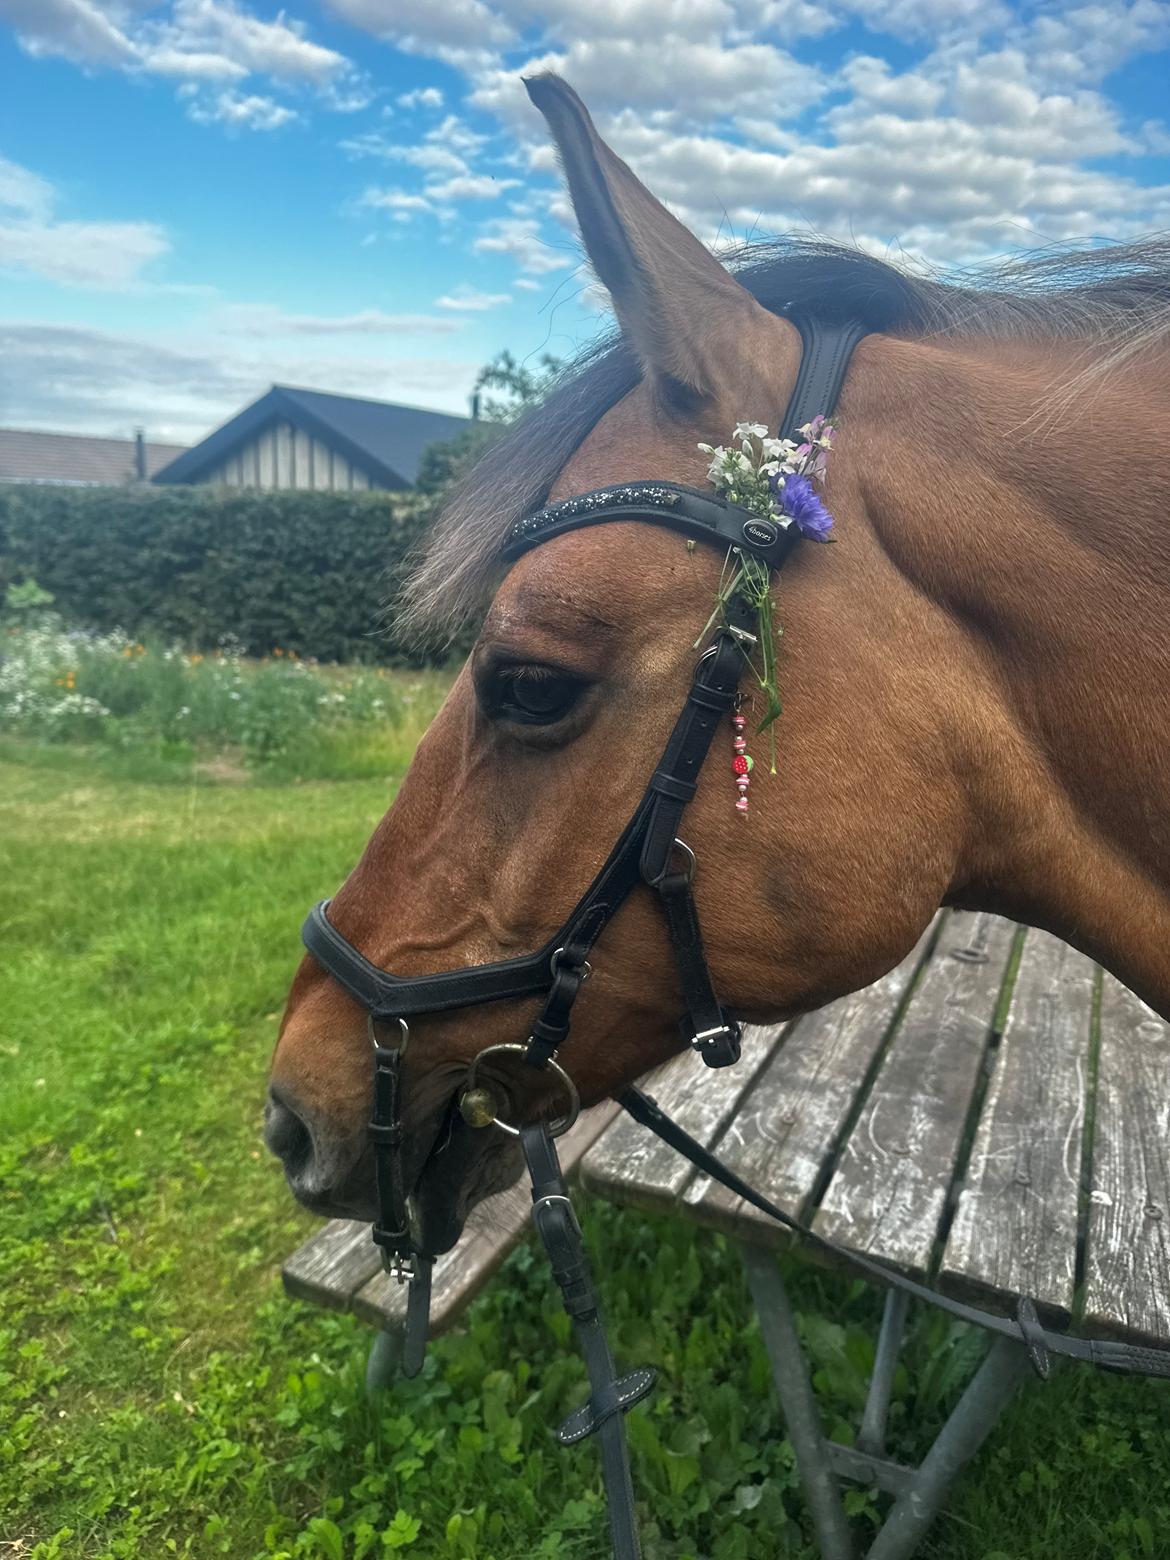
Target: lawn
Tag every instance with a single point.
(160, 1396)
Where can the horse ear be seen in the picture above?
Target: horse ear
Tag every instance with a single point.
(676, 304)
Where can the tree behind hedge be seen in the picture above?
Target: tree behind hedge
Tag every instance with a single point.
(310, 572)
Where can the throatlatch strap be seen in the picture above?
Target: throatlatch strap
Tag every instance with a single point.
(1025, 1329)
(705, 1027)
(712, 694)
(610, 1396)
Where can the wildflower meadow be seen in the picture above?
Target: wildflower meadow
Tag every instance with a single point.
(276, 715)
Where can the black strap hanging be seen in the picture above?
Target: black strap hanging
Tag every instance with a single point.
(1025, 1328)
(610, 1396)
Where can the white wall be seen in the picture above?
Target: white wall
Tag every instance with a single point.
(281, 456)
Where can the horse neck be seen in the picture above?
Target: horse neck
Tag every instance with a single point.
(1038, 521)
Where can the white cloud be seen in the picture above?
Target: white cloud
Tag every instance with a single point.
(76, 30)
(181, 385)
(426, 155)
(106, 255)
(935, 20)
(430, 25)
(24, 192)
(195, 42)
(467, 299)
(261, 319)
(471, 186)
(241, 111)
(280, 49)
(421, 97)
(1081, 44)
(194, 66)
(684, 82)
(403, 205)
(520, 238)
(110, 256)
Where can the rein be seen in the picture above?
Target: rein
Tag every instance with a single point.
(649, 852)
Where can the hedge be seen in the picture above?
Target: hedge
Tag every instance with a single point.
(310, 572)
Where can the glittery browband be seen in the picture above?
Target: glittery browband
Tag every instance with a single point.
(702, 515)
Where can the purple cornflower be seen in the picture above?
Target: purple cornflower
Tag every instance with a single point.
(799, 501)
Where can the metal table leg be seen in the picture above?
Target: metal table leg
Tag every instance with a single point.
(871, 1438)
(797, 1402)
(971, 1421)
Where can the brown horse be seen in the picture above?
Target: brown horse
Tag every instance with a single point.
(976, 680)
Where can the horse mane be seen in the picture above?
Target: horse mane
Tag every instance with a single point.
(1115, 297)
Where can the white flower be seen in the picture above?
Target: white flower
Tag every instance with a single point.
(750, 431)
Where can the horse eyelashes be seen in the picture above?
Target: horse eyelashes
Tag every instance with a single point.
(531, 695)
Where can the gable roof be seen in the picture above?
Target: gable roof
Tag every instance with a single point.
(385, 440)
(74, 458)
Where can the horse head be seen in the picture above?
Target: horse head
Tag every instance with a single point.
(547, 739)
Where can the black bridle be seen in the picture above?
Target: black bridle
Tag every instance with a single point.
(648, 852)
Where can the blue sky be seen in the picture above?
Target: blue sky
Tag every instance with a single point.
(201, 197)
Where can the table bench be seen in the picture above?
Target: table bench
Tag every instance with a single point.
(992, 1116)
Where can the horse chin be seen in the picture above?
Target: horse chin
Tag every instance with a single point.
(466, 1166)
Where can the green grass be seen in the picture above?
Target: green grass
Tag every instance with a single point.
(160, 1396)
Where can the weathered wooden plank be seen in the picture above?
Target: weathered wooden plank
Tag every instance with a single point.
(1127, 1257)
(889, 1190)
(787, 1128)
(1015, 1227)
(332, 1265)
(630, 1165)
(493, 1228)
(284, 439)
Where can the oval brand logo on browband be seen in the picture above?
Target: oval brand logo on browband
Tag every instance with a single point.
(761, 533)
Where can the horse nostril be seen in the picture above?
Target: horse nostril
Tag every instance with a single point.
(287, 1135)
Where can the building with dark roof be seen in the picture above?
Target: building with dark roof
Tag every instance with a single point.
(293, 438)
(76, 460)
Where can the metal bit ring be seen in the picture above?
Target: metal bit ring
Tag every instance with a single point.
(556, 1128)
(372, 1031)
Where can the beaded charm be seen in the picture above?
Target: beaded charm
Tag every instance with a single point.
(741, 764)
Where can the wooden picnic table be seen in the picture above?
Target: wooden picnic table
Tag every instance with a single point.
(992, 1116)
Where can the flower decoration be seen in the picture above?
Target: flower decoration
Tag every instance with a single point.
(777, 480)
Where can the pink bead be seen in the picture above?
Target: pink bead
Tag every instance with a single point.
(740, 744)
(739, 722)
(742, 782)
(741, 804)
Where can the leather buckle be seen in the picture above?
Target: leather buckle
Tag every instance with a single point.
(719, 1047)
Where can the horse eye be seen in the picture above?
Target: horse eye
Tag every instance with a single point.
(531, 695)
